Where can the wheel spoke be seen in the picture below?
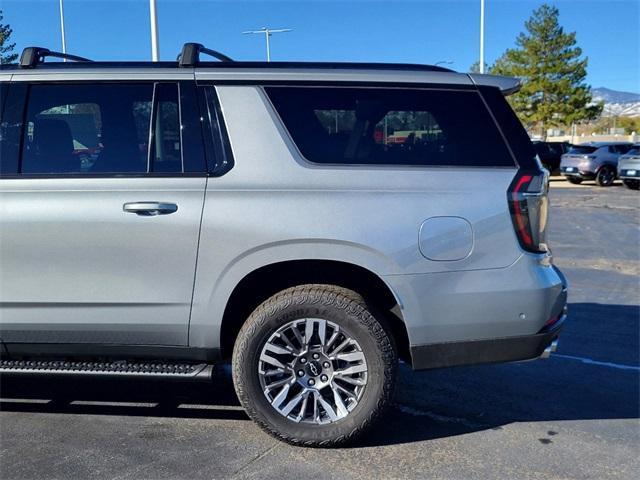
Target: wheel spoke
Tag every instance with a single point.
(326, 406)
(344, 390)
(276, 349)
(351, 357)
(332, 339)
(316, 410)
(308, 331)
(340, 406)
(351, 380)
(290, 345)
(275, 371)
(278, 383)
(277, 401)
(272, 361)
(296, 333)
(341, 347)
(322, 331)
(303, 408)
(351, 370)
(286, 410)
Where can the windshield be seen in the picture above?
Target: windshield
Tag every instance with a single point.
(582, 149)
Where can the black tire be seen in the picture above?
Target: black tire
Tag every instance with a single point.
(574, 180)
(344, 308)
(632, 184)
(605, 176)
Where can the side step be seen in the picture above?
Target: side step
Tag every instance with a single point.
(200, 371)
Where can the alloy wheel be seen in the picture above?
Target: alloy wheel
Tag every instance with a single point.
(312, 371)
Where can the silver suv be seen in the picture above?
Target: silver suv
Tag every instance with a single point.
(311, 222)
(629, 168)
(593, 161)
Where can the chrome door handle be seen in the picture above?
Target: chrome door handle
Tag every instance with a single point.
(150, 209)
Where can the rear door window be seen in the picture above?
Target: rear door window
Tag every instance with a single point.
(391, 126)
(101, 129)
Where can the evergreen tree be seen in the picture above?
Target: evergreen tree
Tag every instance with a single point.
(553, 73)
(475, 68)
(6, 48)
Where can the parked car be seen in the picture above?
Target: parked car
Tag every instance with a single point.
(255, 212)
(593, 161)
(550, 153)
(629, 168)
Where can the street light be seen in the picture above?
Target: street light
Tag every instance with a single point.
(481, 36)
(444, 62)
(267, 32)
(64, 42)
(153, 18)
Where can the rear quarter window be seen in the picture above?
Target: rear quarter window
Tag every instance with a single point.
(391, 126)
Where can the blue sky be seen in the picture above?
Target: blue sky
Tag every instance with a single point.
(425, 31)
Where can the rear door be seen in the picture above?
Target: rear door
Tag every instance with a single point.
(101, 196)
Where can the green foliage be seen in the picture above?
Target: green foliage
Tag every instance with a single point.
(475, 68)
(6, 48)
(553, 73)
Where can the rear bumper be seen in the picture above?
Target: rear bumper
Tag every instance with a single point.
(629, 174)
(495, 350)
(467, 318)
(575, 173)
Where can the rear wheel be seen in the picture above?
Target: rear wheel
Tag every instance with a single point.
(312, 366)
(605, 176)
(632, 184)
(574, 180)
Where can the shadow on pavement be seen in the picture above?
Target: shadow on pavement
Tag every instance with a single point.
(429, 404)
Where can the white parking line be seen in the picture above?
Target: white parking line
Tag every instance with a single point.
(595, 362)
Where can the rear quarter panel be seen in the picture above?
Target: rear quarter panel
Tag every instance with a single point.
(275, 206)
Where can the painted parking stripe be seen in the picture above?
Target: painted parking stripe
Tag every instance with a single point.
(595, 362)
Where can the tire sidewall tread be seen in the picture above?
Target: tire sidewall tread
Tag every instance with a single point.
(328, 301)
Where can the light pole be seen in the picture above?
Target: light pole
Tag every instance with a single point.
(153, 18)
(267, 32)
(64, 41)
(481, 36)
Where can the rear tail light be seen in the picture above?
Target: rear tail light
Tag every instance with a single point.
(529, 203)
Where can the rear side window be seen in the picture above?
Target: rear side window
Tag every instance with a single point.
(102, 129)
(620, 148)
(390, 126)
(512, 129)
(634, 151)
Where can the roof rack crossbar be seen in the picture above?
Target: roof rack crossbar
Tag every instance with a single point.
(190, 54)
(32, 56)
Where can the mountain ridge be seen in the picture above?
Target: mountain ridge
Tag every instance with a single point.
(617, 103)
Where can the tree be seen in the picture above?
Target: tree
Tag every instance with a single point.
(475, 68)
(6, 48)
(553, 73)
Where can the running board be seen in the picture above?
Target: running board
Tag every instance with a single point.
(200, 371)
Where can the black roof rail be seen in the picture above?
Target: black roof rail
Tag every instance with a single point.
(190, 54)
(32, 56)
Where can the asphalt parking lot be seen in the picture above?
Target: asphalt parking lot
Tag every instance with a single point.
(575, 415)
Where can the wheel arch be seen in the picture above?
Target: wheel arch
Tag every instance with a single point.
(265, 281)
(606, 164)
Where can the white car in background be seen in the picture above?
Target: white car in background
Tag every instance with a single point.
(629, 168)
